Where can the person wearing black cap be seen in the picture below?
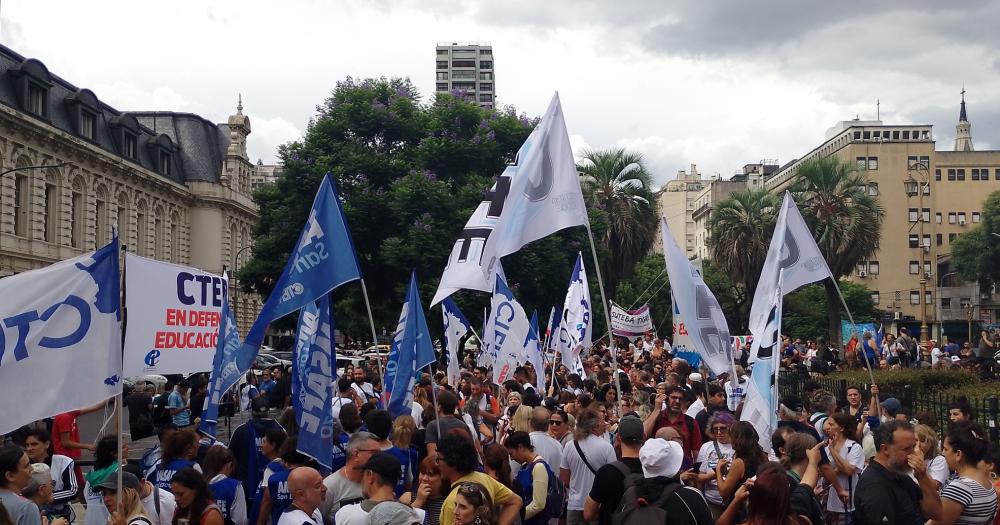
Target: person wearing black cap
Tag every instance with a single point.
(609, 483)
(381, 472)
(159, 504)
(245, 446)
(131, 511)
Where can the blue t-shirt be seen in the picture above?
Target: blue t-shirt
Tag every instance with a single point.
(224, 493)
(164, 472)
(408, 459)
(281, 497)
(182, 418)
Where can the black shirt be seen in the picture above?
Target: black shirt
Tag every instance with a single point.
(138, 404)
(803, 502)
(686, 506)
(609, 485)
(883, 496)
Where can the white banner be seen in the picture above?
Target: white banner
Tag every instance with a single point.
(173, 317)
(535, 197)
(576, 324)
(630, 323)
(60, 342)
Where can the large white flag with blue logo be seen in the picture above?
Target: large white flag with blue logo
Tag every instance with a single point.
(535, 197)
(455, 328)
(506, 331)
(576, 324)
(60, 343)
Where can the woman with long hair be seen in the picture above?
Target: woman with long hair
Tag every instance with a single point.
(496, 462)
(520, 422)
(194, 499)
(848, 459)
(227, 492)
(105, 464)
(132, 512)
(403, 429)
(747, 456)
(430, 492)
(766, 498)
(937, 465)
(178, 451)
(969, 498)
(38, 446)
(473, 505)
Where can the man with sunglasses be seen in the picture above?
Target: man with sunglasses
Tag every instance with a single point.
(343, 487)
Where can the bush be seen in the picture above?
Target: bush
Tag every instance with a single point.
(894, 381)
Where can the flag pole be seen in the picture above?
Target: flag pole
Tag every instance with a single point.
(776, 352)
(607, 316)
(371, 323)
(120, 401)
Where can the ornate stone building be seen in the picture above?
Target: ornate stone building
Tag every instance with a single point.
(177, 185)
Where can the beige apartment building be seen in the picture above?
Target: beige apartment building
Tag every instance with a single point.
(930, 197)
(677, 202)
(177, 186)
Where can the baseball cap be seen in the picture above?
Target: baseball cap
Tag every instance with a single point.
(630, 429)
(259, 405)
(392, 513)
(660, 457)
(792, 402)
(695, 376)
(111, 482)
(891, 404)
(385, 465)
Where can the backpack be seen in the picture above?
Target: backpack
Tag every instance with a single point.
(638, 511)
(161, 415)
(555, 497)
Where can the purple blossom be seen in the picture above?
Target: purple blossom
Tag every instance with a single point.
(430, 176)
(378, 105)
(295, 156)
(403, 91)
(491, 136)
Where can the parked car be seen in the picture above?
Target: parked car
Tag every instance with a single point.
(282, 355)
(265, 361)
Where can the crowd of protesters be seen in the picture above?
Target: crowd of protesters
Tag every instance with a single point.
(652, 440)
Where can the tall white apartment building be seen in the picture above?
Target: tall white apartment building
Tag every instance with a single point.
(467, 68)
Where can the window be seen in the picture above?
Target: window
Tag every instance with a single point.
(937, 217)
(895, 135)
(442, 52)
(927, 268)
(442, 86)
(861, 267)
(857, 135)
(157, 238)
(952, 237)
(976, 217)
(914, 267)
(36, 99)
(485, 64)
(487, 86)
(164, 163)
(22, 192)
(875, 297)
(173, 242)
(485, 51)
(485, 97)
(101, 213)
(952, 217)
(463, 75)
(911, 162)
(927, 240)
(926, 161)
(912, 215)
(872, 163)
(937, 174)
(862, 163)
(87, 122)
(975, 174)
(463, 63)
(873, 267)
(961, 217)
(140, 233)
(939, 239)
(468, 86)
(914, 297)
(486, 75)
(129, 145)
(906, 134)
(51, 213)
(442, 75)
(927, 298)
(951, 173)
(925, 215)
(960, 174)
(77, 216)
(867, 135)
(946, 303)
(873, 189)
(914, 240)
(996, 175)
(442, 64)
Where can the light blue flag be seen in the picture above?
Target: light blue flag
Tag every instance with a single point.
(313, 370)
(411, 351)
(225, 370)
(533, 350)
(323, 260)
(455, 328)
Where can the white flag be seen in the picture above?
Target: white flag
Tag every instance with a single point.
(507, 330)
(576, 325)
(535, 197)
(703, 318)
(60, 346)
(455, 328)
(761, 406)
(792, 250)
(533, 351)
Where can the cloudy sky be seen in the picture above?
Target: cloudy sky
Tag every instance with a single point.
(718, 83)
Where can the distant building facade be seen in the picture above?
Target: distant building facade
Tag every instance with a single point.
(176, 185)
(466, 68)
(264, 174)
(677, 199)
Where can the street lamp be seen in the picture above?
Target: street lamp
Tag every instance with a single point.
(923, 171)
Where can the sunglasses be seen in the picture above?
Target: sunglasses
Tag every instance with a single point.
(719, 429)
(555, 422)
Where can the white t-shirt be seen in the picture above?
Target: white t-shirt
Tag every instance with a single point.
(695, 407)
(297, 517)
(366, 392)
(97, 513)
(850, 451)
(733, 399)
(937, 469)
(935, 355)
(599, 452)
(548, 448)
(417, 411)
(167, 506)
(709, 460)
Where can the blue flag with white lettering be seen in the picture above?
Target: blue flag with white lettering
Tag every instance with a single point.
(225, 372)
(323, 260)
(411, 351)
(312, 381)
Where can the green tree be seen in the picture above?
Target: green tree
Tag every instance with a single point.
(648, 284)
(976, 253)
(740, 232)
(845, 221)
(805, 311)
(617, 184)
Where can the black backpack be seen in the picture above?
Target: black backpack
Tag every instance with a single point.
(639, 511)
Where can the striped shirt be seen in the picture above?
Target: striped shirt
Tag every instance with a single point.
(979, 503)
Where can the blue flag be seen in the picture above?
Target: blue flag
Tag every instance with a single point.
(225, 371)
(455, 328)
(313, 370)
(323, 260)
(411, 350)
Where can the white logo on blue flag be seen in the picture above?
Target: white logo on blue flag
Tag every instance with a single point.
(225, 367)
(312, 381)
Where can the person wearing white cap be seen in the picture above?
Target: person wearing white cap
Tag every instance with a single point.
(660, 487)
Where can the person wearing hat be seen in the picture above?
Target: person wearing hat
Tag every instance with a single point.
(609, 483)
(393, 513)
(131, 511)
(380, 474)
(246, 446)
(307, 489)
(661, 463)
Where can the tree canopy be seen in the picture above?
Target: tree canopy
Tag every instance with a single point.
(976, 253)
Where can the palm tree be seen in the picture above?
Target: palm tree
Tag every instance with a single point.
(740, 230)
(845, 220)
(617, 183)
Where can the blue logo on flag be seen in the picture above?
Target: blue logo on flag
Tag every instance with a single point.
(152, 357)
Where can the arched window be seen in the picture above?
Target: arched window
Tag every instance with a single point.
(141, 229)
(22, 198)
(50, 227)
(101, 216)
(158, 239)
(123, 218)
(78, 213)
(175, 240)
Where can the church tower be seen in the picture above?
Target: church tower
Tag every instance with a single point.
(963, 130)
